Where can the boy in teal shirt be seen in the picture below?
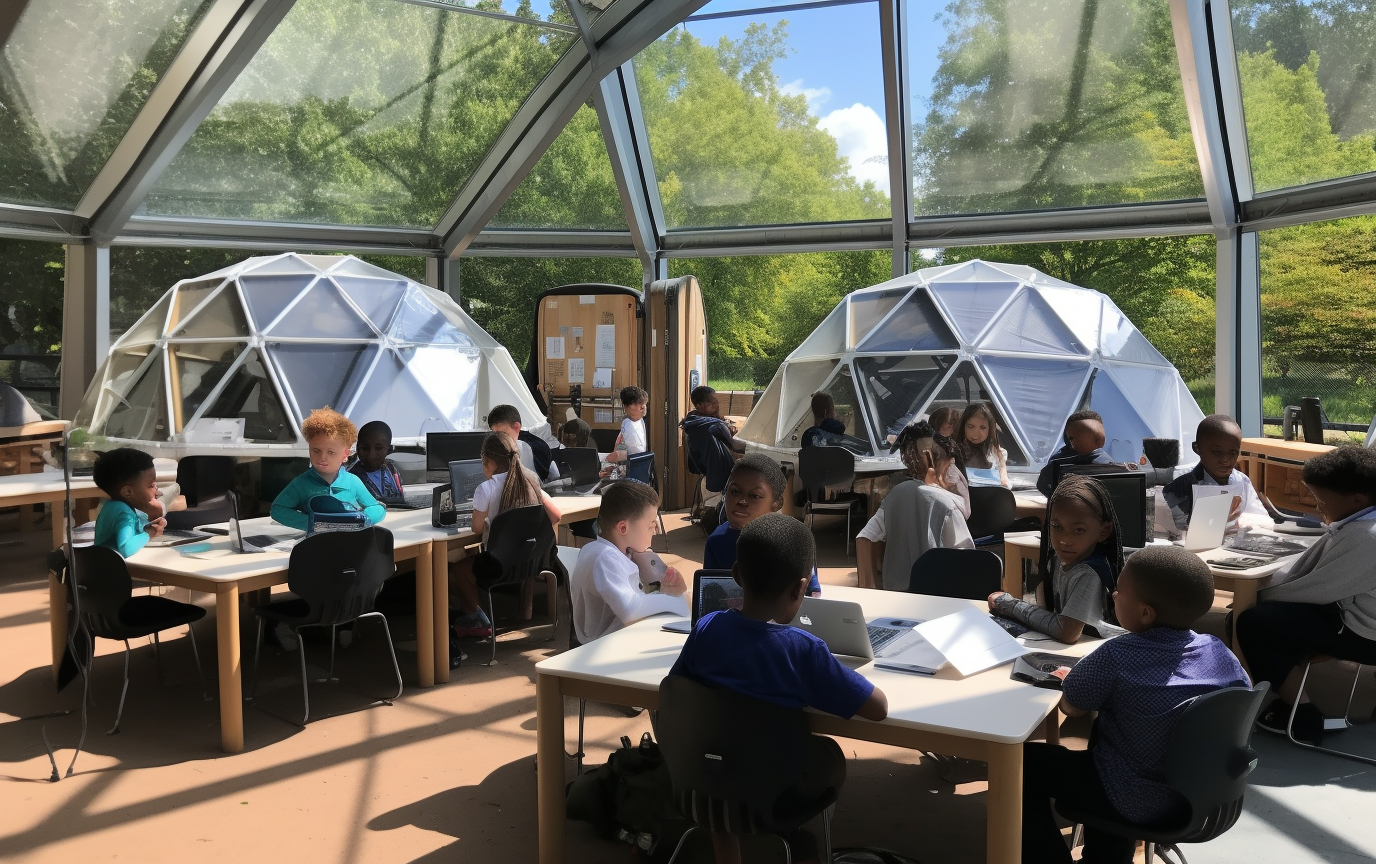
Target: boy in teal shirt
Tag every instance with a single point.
(330, 435)
(133, 515)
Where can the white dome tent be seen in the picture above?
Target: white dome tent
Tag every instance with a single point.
(1038, 348)
(270, 339)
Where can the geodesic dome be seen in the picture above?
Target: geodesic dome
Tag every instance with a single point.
(1035, 347)
(270, 339)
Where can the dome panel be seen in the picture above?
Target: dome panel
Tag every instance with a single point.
(321, 376)
(142, 413)
(869, 308)
(1120, 340)
(1125, 431)
(268, 295)
(828, 338)
(916, 325)
(250, 394)
(970, 304)
(1151, 390)
(288, 263)
(197, 368)
(800, 380)
(188, 296)
(219, 317)
(763, 421)
(1039, 395)
(378, 298)
(149, 328)
(393, 393)
(449, 375)
(1030, 326)
(348, 265)
(1080, 310)
(898, 388)
(116, 380)
(967, 384)
(321, 312)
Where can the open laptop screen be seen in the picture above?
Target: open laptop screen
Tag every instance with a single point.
(465, 476)
(713, 591)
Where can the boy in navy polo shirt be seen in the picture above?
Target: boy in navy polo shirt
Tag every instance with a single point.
(746, 651)
(1137, 683)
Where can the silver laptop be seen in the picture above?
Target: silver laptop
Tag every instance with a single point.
(840, 624)
(1208, 523)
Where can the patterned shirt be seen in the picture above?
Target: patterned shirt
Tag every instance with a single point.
(1137, 683)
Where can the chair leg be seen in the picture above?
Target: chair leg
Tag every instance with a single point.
(1290, 724)
(682, 840)
(1347, 712)
(257, 648)
(578, 755)
(329, 676)
(1148, 853)
(788, 850)
(826, 833)
(1077, 837)
(157, 657)
(305, 681)
(196, 655)
(119, 712)
(552, 602)
(492, 619)
(849, 510)
(391, 649)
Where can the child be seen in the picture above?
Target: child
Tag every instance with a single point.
(329, 435)
(977, 435)
(1326, 603)
(944, 420)
(755, 488)
(134, 514)
(379, 474)
(535, 452)
(755, 653)
(705, 404)
(575, 433)
(508, 485)
(605, 585)
(1135, 682)
(1218, 441)
(1084, 445)
(1081, 575)
(927, 512)
(632, 440)
(708, 439)
(824, 422)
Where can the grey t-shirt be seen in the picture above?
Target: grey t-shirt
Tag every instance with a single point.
(1080, 595)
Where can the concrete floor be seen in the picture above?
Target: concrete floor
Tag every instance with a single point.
(447, 774)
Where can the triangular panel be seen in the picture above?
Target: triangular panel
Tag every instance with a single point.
(149, 328)
(378, 298)
(1029, 325)
(322, 312)
(322, 376)
(966, 385)
(219, 317)
(321, 262)
(417, 320)
(1038, 395)
(829, 339)
(916, 325)
(1080, 310)
(188, 296)
(899, 387)
(250, 394)
(1123, 437)
(1119, 340)
(286, 264)
(1151, 390)
(802, 378)
(351, 266)
(763, 422)
(449, 375)
(971, 305)
(120, 376)
(975, 271)
(393, 393)
(268, 295)
(142, 413)
(197, 367)
(868, 308)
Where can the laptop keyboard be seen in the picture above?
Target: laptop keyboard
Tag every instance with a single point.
(184, 534)
(262, 541)
(1268, 546)
(420, 499)
(881, 636)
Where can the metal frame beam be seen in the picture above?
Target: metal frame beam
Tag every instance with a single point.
(1193, 24)
(223, 43)
(41, 223)
(619, 34)
(286, 236)
(85, 321)
(1092, 223)
(516, 243)
(893, 41)
(617, 101)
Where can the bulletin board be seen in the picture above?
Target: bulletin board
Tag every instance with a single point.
(588, 335)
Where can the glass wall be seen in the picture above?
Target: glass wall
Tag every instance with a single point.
(1308, 93)
(31, 329)
(1318, 319)
(768, 118)
(1024, 106)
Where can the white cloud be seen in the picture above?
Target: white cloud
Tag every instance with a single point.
(816, 96)
(862, 138)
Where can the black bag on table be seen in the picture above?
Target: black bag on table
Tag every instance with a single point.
(630, 799)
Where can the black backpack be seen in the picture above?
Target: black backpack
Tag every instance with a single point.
(630, 799)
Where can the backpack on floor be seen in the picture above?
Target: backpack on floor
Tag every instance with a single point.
(630, 799)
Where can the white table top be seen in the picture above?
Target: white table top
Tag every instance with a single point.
(1033, 539)
(989, 706)
(50, 481)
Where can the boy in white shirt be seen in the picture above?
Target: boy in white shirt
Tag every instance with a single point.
(1218, 442)
(605, 584)
(632, 440)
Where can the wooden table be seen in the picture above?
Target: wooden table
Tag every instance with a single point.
(47, 487)
(986, 716)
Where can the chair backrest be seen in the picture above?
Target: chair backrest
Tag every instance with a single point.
(339, 574)
(971, 574)
(202, 478)
(1210, 756)
(101, 577)
(641, 467)
(823, 467)
(521, 541)
(992, 510)
(739, 753)
(605, 439)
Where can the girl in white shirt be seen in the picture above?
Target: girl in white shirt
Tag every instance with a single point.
(508, 485)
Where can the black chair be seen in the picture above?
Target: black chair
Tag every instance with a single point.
(1207, 762)
(994, 512)
(728, 780)
(108, 610)
(821, 469)
(204, 480)
(971, 574)
(605, 439)
(641, 467)
(336, 577)
(1290, 722)
(519, 546)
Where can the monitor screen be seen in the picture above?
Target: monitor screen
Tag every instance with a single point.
(441, 448)
(713, 591)
(465, 476)
(1128, 492)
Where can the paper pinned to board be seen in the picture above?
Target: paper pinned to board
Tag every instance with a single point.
(602, 378)
(605, 354)
(576, 370)
(970, 640)
(587, 299)
(554, 347)
(601, 415)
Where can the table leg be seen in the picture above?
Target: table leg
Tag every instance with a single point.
(59, 524)
(1053, 726)
(1244, 597)
(231, 688)
(439, 566)
(425, 619)
(1003, 831)
(1012, 569)
(549, 767)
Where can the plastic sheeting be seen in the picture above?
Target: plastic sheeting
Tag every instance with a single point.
(270, 339)
(1034, 346)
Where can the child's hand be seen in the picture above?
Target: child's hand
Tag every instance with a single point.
(155, 527)
(1060, 672)
(154, 508)
(672, 583)
(995, 598)
(930, 476)
(1236, 510)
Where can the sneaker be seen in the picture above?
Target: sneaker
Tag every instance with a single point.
(285, 637)
(1308, 726)
(473, 625)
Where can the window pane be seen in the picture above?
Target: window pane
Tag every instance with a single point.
(196, 369)
(1065, 103)
(1308, 94)
(1318, 321)
(251, 395)
(899, 387)
(768, 118)
(365, 112)
(76, 74)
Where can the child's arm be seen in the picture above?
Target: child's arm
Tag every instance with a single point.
(1064, 705)
(287, 508)
(618, 454)
(1059, 627)
(372, 508)
(876, 707)
(1003, 469)
(551, 509)
(627, 601)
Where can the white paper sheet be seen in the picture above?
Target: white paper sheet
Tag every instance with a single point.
(554, 347)
(605, 355)
(970, 641)
(602, 377)
(576, 370)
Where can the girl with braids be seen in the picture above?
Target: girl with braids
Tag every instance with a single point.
(508, 485)
(1081, 557)
(918, 514)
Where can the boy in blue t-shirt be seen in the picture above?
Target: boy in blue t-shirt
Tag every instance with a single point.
(329, 435)
(747, 652)
(134, 513)
(379, 474)
(754, 488)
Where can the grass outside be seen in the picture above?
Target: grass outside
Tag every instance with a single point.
(735, 384)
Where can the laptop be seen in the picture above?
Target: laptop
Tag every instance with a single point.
(1208, 523)
(581, 467)
(713, 591)
(242, 544)
(441, 448)
(176, 537)
(465, 476)
(840, 624)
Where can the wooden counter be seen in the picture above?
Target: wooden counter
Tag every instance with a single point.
(1274, 467)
